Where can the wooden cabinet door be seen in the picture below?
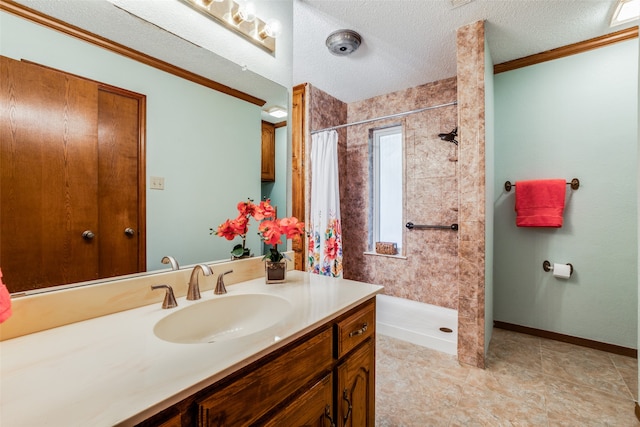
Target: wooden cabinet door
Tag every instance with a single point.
(355, 391)
(268, 152)
(48, 174)
(312, 409)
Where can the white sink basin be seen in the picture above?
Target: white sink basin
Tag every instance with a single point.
(222, 319)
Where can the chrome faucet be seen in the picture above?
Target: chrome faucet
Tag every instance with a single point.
(220, 288)
(193, 292)
(171, 260)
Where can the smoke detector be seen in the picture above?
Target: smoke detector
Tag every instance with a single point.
(343, 42)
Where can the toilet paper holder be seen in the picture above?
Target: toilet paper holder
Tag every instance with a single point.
(547, 266)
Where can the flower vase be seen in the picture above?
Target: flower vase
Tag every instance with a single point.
(275, 272)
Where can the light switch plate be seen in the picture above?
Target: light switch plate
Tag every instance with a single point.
(157, 183)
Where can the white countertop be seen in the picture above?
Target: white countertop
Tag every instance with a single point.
(113, 369)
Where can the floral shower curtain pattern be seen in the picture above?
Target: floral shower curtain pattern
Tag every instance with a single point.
(325, 241)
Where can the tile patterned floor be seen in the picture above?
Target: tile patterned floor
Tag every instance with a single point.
(529, 381)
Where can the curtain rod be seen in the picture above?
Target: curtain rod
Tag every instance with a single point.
(419, 110)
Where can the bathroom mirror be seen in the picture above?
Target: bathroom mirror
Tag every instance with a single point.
(204, 143)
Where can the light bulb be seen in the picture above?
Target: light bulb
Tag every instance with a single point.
(246, 13)
(273, 28)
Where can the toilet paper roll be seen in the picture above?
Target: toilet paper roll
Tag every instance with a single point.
(561, 271)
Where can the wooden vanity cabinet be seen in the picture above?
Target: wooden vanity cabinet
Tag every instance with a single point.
(268, 172)
(324, 379)
(247, 399)
(355, 379)
(312, 408)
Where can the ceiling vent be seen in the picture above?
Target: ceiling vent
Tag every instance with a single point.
(343, 42)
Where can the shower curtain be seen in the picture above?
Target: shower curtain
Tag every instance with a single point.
(325, 241)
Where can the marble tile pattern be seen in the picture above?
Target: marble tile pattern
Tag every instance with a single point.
(471, 192)
(429, 273)
(528, 381)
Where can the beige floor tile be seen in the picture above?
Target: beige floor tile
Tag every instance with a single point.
(515, 352)
(630, 377)
(572, 350)
(624, 361)
(485, 407)
(438, 364)
(502, 334)
(512, 382)
(528, 382)
(588, 370)
(569, 404)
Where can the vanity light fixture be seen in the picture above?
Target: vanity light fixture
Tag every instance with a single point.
(246, 12)
(277, 112)
(205, 3)
(626, 11)
(240, 17)
(273, 28)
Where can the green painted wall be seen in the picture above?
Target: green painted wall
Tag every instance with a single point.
(204, 143)
(571, 117)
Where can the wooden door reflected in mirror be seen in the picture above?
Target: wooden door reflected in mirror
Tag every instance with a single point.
(80, 143)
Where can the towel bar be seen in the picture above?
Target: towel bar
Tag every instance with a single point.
(412, 226)
(575, 184)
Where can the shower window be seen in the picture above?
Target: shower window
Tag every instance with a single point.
(387, 156)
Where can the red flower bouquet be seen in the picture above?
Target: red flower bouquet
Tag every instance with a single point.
(271, 229)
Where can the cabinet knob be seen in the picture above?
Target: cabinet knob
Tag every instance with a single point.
(88, 235)
(129, 231)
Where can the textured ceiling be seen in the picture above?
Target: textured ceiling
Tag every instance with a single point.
(411, 42)
(405, 42)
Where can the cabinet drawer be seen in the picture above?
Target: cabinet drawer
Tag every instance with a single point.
(355, 329)
(250, 397)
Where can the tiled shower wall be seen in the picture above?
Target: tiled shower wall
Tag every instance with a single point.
(472, 193)
(429, 270)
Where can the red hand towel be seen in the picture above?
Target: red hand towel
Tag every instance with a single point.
(5, 301)
(540, 203)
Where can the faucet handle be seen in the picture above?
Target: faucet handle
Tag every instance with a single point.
(169, 297)
(220, 288)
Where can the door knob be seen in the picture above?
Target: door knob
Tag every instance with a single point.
(129, 231)
(88, 235)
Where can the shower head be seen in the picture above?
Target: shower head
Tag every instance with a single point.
(451, 136)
